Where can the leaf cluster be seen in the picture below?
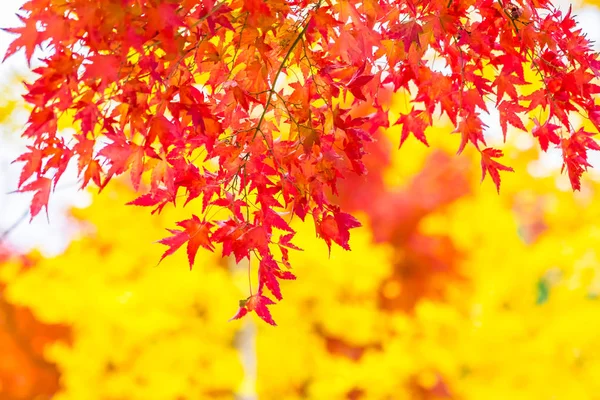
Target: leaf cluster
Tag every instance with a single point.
(254, 110)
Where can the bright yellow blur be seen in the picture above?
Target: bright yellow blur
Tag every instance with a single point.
(519, 322)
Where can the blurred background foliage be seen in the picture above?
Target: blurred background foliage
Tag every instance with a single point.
(451, 291)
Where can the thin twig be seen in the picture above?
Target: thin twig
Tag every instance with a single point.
(306, 23)
(14, 226)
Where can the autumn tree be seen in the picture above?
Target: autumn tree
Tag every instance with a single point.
(252, 111)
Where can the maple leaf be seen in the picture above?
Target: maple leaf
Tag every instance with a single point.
(41, 187)
(195, 232)
(471, 130)
(335, 227)
(537, 98)
(594, 115)
(163, 129)
(254, 238)
(257, 303)
(575, 157)
(545, 133)
(241, 240)
(235, 205)
(92, 172)
(33, 163)
(267, 276)
(357, 81)
(241, 312)
(488, 165)
(506, 84)
(508, 115)
(284, 246)
(103, 67)
(29, 38)
(575, 166)
(583, 140)
(414, 123)
(271, 218)
(159, 198)
(408, 33)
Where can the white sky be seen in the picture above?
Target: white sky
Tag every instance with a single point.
(8, 10)
(51, 238)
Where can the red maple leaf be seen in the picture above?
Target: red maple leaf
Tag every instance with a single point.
(29, 38)
(92, 172)
(33, 163)
(357, 81)
(196, 233)
(508, 115)
(414, 123)
(335, 228)
(41, 187)
(506, 84)
(159, 198)
(491, 166)
(471, 130)
(233, 204)
(267, 276)
(546, 133)
(575, 157)
(257, 303)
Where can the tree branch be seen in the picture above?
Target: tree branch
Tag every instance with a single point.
(14, 226)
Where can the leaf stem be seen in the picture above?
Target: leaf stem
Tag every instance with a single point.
(281, 66)
(11, 228)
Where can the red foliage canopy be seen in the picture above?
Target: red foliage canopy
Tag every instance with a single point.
(259, 107)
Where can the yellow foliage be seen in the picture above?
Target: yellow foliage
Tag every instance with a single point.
(522, 326)
(519, 323)
(141, 331)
